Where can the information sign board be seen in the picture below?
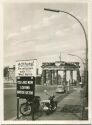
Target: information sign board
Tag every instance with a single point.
(25, 68)
(25, 87)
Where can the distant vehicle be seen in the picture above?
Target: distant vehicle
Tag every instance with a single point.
(60, 89)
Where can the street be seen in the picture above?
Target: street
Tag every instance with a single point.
(10, 103)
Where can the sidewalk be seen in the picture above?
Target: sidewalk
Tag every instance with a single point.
(71, 99)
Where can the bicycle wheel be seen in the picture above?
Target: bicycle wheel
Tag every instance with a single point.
(25, 109)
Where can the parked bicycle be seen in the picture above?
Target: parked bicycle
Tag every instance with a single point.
(26, 107)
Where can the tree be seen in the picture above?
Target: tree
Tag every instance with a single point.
(6, 71)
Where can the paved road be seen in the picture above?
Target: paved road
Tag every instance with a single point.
(10, 103)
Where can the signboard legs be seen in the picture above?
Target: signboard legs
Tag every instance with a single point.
(33, 110)
(17, 107)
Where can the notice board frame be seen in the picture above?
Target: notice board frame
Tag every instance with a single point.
(25, 82)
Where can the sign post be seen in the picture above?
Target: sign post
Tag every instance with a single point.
(17, 107)
(25, 77)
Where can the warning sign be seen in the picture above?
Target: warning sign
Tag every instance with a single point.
(25, 87)
(26, 68)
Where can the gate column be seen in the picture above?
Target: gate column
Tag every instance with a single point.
(64, 76)
(57, 77)
(43, 77)
(78, 76)
(51, 77)
(71, 76)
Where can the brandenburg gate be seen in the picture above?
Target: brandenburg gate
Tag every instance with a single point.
(50, 71)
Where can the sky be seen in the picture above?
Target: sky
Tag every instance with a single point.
(30, 32)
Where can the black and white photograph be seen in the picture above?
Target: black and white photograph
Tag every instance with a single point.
(45, 61)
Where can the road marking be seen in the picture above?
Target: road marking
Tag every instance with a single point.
(10, 88)
(15, 117)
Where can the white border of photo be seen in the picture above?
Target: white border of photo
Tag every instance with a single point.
(89, 61)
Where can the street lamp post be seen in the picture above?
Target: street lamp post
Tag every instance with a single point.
(86, 43)
(79, 58)
(81, 61)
